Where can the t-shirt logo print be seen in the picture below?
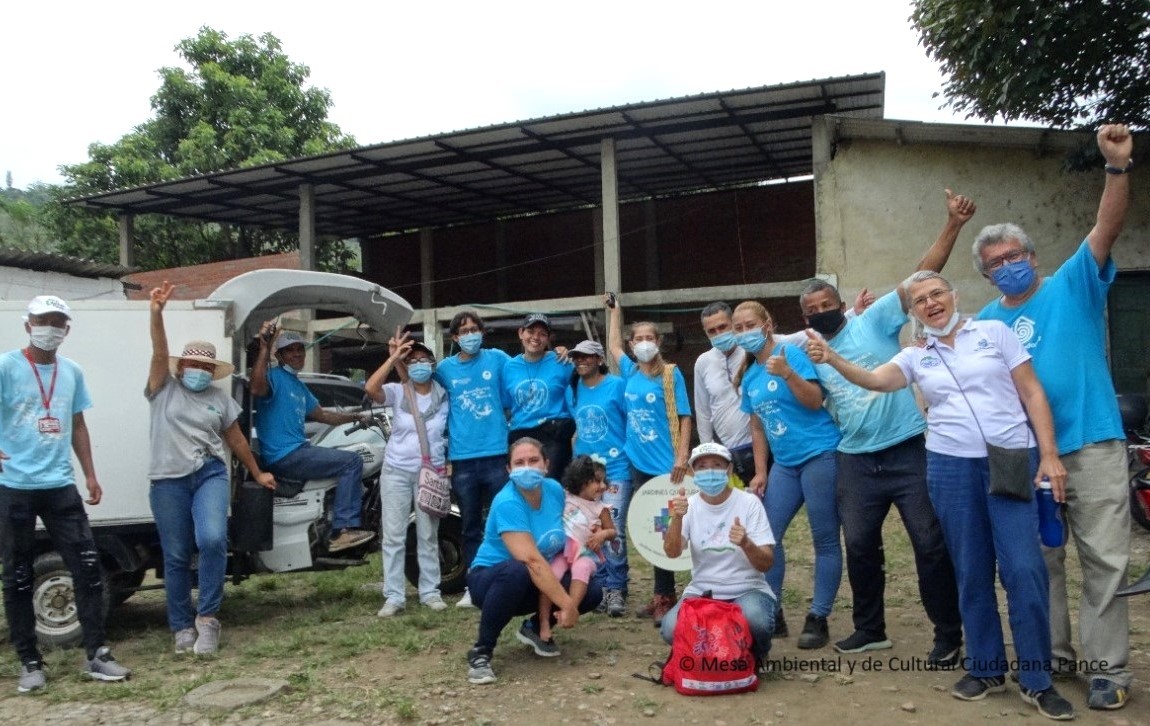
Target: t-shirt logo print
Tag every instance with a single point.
(477, 402)
(530, 395)
(591, 423)
(1026, 331)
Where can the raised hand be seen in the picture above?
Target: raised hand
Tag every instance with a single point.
(399, 345)
(679, 503)
(1116, 144)
(960, 207)
(863, 300)
(738, 533)
(160, 295)
(777, 365)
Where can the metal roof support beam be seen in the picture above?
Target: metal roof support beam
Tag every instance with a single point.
(127, 240)
(307, 227)
(610, 182)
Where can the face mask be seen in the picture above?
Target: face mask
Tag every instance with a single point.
(827, 322)
(944, 330)
(752, 341)
(289, 369)
(195, 379)
(646, 351)
(47, 337)
(527, 477)
(419, 372)
(469, 342)
(711, 482)
(724, 342)
(1014, 278)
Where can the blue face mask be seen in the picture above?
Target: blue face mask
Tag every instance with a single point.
(527, 477)
(420, 372)
(1014, 278)
(724, 342)
(752, 341)
(195, 379)
(711, 482)
(469, 342)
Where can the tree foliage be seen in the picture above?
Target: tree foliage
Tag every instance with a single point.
(1064, 63)
(239, 103)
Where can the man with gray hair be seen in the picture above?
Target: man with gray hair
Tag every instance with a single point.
(1060, 320)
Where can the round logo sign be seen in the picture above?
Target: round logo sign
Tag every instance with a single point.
(648, 517)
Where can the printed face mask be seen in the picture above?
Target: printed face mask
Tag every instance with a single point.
(47, 337)
(645, 351)
(527, 477)
(752, 341)
(195, 379)
(827, 322)
(469, 342)
(724, 342)
(419, 372)
(1014, 278)
(711, 482)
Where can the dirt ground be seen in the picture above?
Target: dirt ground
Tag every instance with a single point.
(589, 683)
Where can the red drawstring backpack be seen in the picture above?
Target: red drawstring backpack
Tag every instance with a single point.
(711, 652)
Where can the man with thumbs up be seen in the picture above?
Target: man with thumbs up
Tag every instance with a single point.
(731, 546)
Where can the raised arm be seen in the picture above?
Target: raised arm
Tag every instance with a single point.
(886, 378)
(398, 346)
(673, 543)
(614, 327)
(1117, 146)
(959, 210)
(259, 377)
(158, 370)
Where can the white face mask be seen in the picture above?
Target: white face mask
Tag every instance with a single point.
(46, 337)
(646, 351)
(944, 330)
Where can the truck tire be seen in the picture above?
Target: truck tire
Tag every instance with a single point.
(453, 573)
(54, 602)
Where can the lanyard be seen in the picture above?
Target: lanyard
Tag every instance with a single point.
(46, 398)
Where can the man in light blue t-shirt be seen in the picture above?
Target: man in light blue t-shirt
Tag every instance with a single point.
(1061, 322)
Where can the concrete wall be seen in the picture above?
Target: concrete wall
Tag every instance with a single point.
(19, 284)
(879, 199)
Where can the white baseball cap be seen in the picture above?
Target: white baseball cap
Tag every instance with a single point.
(709, 450)
(47, 304)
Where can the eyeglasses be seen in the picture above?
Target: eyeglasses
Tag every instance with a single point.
(1008, 259)
(935, 295)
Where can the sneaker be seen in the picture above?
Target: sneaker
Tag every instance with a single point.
(185, 640)
(391, 609)
(31, 677)
(972, 688)
(943, 656)
(860, 642)
(479, 669)
(781, 630)
(105, 668)
(207, 636)
(349, 538)
(1106, 695)
(1049, 704)
(815, 633)
(465, 601)
(527, 635)
(615, 604)
(435, 602)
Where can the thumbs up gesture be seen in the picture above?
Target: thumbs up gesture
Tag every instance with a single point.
(738, 533)
(817, 349)
(679, 504)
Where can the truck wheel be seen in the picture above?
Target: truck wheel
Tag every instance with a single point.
(453, 574)
(54, 602)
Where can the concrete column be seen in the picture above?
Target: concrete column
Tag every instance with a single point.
(307, 260)
(597, 249)
(426, 269)
(610, 183)
(127, 240)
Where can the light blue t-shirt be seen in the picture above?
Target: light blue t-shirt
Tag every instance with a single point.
(510, 512)
(649, 446)
(476, 425)
(870, 421)
(534, 392)
(601, 424)
(795, 432)
(38, 460)
(1063, 328)
(280, 415)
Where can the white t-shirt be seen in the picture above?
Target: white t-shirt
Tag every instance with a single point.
(403, 450)
(720, 566)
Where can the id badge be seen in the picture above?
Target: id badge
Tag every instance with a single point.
(49, 425)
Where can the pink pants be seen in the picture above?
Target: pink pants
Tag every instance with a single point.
(582, 567)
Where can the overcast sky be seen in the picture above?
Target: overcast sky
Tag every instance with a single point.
(77, 73)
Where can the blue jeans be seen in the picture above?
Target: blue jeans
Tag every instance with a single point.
(614, 569)
(320, 462)
(758, 607)
(505, 590)
(868, 484)
(192, 514)
(62, 511)
(788, 487)
(399, 491)
(982, 530)
(475, 483)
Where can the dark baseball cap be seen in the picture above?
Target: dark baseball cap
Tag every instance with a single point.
(537, 319)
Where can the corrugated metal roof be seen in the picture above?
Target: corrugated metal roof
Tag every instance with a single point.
(48, 262)
(709, 141)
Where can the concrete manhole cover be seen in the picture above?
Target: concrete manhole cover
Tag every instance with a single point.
(234, 693)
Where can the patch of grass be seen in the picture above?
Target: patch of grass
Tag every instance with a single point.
(592, 688)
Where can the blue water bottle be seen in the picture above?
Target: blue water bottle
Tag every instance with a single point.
(1051, 517)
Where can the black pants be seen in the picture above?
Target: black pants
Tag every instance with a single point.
(62, 512)
(556, 436)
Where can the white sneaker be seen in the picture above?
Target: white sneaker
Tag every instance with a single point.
(435, 602)
(465, 601)
(389, 610)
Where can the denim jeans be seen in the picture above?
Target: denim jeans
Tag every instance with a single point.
(399, 491)
(475, 483)
(192, 514)
(320, 462)
(505, 590)
(758, 607)
(982, 530)
(664, 579)
(788, 487)
(615, 569)
(868, 484)
(62, 511)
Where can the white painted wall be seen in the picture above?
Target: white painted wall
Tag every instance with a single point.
(21, 284)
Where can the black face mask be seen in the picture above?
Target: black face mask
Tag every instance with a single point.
(827, 322)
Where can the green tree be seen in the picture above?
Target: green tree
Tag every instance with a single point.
(239, 103)
(1066, 63)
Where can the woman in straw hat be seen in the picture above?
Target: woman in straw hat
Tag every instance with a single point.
(191, 421)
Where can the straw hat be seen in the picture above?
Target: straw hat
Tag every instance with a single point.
(204, 352)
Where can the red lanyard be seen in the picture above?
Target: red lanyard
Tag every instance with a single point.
(45, 397)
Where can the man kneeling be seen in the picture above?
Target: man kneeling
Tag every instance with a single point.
(731, 546)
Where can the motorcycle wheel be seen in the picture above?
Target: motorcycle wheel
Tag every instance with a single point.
(452, 572)
(1140, 498)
